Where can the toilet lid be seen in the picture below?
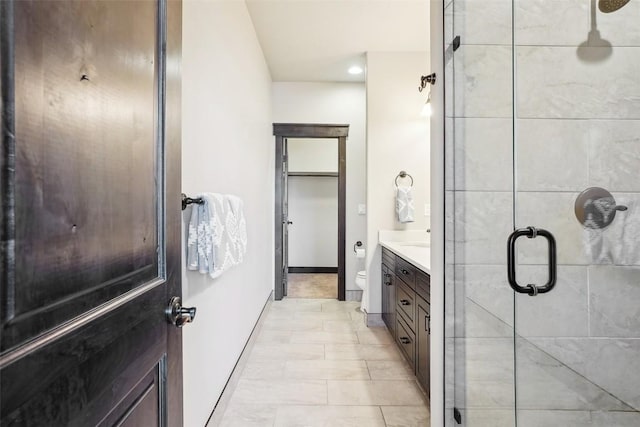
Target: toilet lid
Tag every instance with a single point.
(362, 274)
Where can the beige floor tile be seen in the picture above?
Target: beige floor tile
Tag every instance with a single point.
(326, 369)
(335, 305)
(322, 337)
(389, 370)
(390, 393)
(361, 352)
(356, 315)
(249, 416)
(263, 352)
(282, 392)
(406, 416)
(378, 335)
(293, 324)
(264, 369)
(315, 363)
(323, 315)
(344, 325)
(312, 285)
(294, 304)
(329, 416)
(273, 337)
(308, 315)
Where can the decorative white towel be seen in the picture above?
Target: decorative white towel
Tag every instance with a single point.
(237, 227)
(618, 243)
(217, 234)
(404, 204)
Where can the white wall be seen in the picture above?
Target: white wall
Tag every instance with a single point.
(397, 139)
(227, 148)
(313, 208)
(335, 103)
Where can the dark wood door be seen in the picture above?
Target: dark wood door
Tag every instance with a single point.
(90, 221)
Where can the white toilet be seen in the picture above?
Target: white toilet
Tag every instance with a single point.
(361, 282)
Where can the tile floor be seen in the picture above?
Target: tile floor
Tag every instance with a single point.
(312, 285)
(314, 362)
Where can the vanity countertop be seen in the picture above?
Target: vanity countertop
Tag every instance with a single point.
(413, 248)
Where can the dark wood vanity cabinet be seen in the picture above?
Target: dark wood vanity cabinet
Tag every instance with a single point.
(406, 295)
(389, 291)
(423, 343)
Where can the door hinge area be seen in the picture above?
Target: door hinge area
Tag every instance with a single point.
(457, 415)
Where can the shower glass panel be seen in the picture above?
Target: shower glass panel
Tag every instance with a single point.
(577, 125)
(480, 206)
(542, 103)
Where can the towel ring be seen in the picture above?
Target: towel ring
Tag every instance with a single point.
(404, 174)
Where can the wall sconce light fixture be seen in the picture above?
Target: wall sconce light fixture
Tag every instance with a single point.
(424, 81)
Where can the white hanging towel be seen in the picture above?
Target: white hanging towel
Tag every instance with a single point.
(237, 226)
(213, 243)
(618, 243)
(404, 204)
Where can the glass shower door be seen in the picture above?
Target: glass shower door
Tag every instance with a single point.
(479, 195)
(576, 122)
(542, 125)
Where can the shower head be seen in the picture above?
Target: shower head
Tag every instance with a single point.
(608, 6)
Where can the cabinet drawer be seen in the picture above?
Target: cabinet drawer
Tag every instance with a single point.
(406, 303)
(423, 285)
(406, 340)
(406, 272)
(389, 259)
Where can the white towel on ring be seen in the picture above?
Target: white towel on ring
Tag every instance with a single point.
(404, 204)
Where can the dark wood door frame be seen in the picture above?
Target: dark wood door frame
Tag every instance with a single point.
(297, 130)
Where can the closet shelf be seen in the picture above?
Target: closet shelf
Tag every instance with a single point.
(325, 174)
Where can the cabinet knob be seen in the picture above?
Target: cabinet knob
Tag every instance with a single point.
(404, 302)
(405, 340)
(405, 272)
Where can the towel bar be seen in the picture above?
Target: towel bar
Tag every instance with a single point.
(188, 200)
(404, 174)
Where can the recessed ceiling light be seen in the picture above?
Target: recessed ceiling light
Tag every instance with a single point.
(355, 70)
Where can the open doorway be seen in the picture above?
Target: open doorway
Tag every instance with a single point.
(310, 210)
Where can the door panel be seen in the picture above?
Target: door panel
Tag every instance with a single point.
(86, 202)
(577, 347)
(96, 257)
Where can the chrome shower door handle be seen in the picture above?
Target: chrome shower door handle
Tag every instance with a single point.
(531, 233)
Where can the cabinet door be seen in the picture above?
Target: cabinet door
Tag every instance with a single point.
(388, 299)
(423, 337)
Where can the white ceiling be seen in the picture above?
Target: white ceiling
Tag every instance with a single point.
(318, 40)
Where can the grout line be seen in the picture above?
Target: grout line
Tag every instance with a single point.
(382, 413)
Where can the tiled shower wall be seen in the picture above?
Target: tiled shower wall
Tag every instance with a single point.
(577, 109)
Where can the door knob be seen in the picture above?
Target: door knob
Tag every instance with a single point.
(179, 315)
